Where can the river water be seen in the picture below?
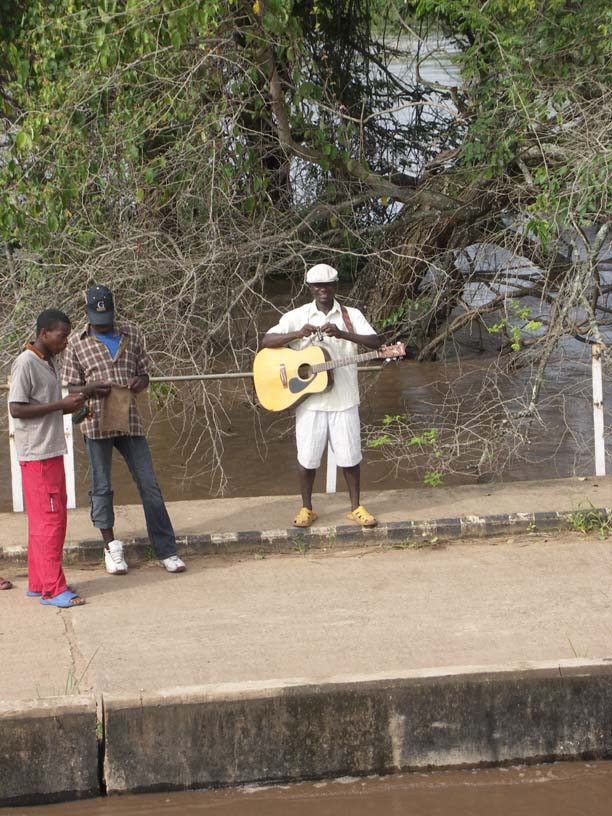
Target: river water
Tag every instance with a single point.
(559, 789)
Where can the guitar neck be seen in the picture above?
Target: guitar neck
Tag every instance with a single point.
(344, 361)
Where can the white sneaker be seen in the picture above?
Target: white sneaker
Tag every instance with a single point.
(113, 558)
(173, 564)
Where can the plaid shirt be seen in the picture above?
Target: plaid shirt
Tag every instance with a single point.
(87, 359)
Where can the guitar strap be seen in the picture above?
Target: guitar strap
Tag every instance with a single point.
(347, 319)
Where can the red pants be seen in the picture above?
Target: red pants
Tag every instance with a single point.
(44, 490)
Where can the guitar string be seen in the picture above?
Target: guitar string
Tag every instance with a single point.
(331, 364)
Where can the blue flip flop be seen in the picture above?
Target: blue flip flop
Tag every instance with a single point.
(39, 594)
(63, 600)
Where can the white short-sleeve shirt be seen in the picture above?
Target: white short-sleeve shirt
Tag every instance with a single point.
(345, 391)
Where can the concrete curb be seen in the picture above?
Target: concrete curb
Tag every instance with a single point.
(287, 731)
(410, 533)
(48, 750)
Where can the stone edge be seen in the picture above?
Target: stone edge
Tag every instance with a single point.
(49, 750)
(301, 728)
(407, 533)
(257, 733)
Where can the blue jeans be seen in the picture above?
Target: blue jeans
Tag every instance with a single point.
(135, 451)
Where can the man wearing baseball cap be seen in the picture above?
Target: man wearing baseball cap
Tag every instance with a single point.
(103, 354)
(334, 414)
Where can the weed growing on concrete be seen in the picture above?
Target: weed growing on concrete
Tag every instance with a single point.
(588, 521)
(260, 556)
(531, 527)
(416, 543)
(576, 654)
(299, 545)
(73, 683)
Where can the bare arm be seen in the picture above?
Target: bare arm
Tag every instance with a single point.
(271, 340)
(371, 341)
(92, 389)
(26, 410)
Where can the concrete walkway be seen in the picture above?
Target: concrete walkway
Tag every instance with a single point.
(247, 519)
(381, 606)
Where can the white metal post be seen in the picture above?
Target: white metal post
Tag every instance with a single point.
(69, 457)
(330, 482)
(15, 469)
(598, 411)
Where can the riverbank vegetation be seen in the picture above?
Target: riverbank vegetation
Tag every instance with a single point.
(188, 153)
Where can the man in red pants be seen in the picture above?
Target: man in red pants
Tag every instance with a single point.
(36, 404)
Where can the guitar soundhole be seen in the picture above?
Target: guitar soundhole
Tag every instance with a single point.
(304, 371)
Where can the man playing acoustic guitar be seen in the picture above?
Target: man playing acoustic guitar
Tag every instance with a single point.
(333, 414)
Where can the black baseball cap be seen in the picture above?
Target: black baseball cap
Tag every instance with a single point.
(100, 305)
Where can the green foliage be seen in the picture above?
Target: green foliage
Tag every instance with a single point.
(433, 478)
(512, 331)
(379, 441)
(407, 307)
(160, 393)
(533, 73)
(133, 110)
(97, 117)
(391, 418)
(426, 438)
(588, 521)
(397, 439)
(299, 545)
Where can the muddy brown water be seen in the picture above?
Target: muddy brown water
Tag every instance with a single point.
(258, 447)
(559, 789)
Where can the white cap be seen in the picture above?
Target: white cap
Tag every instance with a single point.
(322, 273)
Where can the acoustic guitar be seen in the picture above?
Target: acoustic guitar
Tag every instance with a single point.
(284, 377)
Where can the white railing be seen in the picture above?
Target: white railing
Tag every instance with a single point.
(331, 473)
(597, 351)
(18, 506)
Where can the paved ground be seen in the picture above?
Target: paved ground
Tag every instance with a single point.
(507, 600)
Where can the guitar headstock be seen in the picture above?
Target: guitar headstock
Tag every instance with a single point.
(393, 352)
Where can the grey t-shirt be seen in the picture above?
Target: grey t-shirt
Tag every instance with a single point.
(36, 382)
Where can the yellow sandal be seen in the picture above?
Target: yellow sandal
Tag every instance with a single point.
(361, 516)
(304, 518)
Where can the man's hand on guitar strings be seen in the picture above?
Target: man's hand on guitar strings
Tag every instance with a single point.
(331, 330)
(307, 330)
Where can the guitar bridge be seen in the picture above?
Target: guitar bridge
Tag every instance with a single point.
(283, 374)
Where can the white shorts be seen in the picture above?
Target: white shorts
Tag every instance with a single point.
(314, 428)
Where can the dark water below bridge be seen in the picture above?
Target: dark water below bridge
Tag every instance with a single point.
(560, 789)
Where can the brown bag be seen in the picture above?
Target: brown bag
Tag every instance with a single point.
(115, 410)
